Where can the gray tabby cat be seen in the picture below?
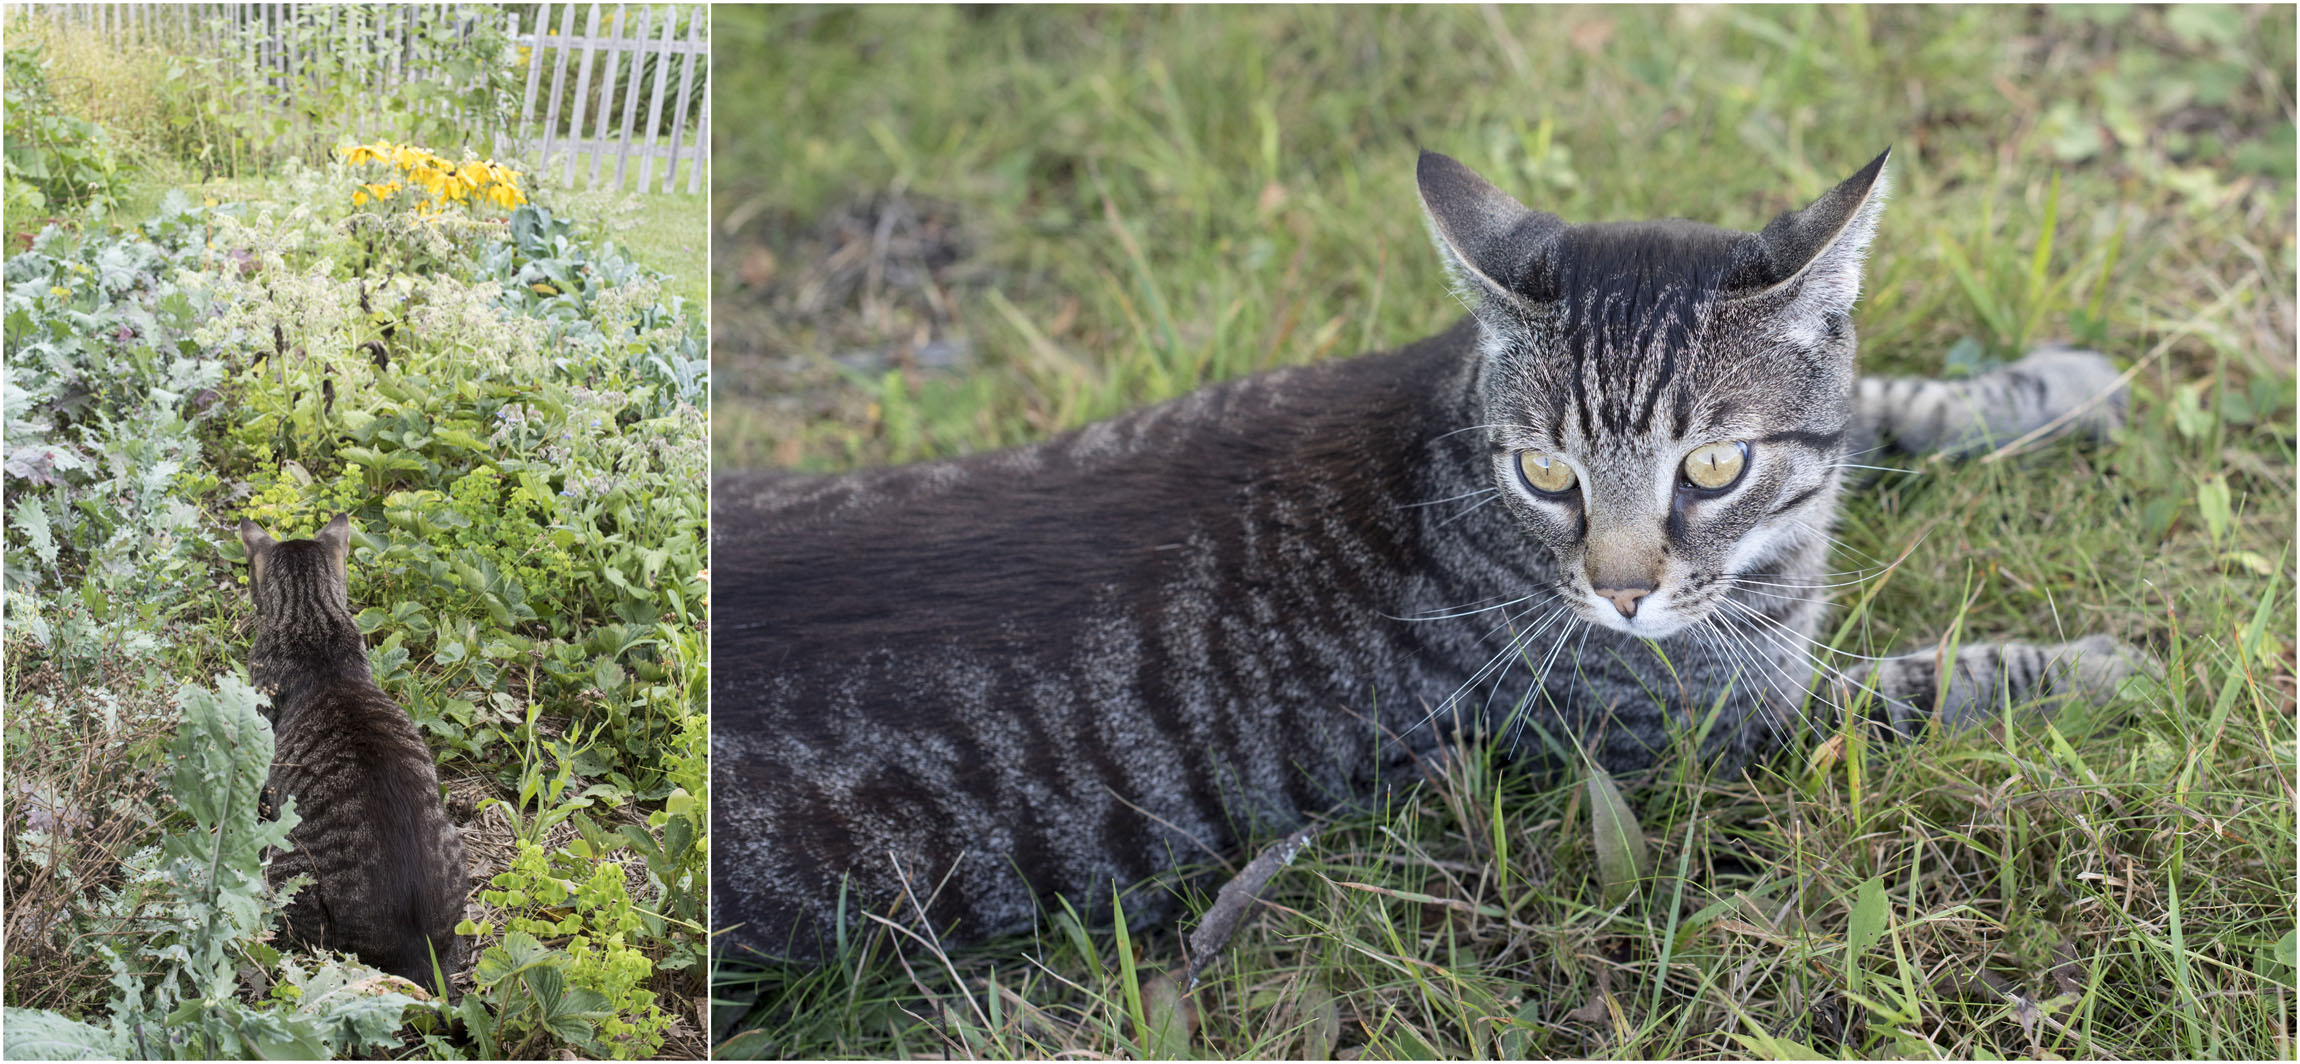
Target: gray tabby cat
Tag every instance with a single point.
(1585, 519)
(388, 878)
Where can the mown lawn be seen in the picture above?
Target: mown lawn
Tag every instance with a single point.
(965, 229)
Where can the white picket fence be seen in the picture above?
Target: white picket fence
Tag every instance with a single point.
(604, 142)
(573, 135)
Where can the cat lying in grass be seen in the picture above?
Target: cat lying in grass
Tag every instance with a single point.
(1590, 520)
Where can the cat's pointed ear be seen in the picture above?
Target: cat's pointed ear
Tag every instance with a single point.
(336, 537)
(1491, 242)
(255, 539)
(259, 545)
(1811, 259)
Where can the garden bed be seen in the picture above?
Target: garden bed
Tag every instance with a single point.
(512, 410)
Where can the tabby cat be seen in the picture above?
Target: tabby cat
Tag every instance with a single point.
(1589, 517)
(388, 878)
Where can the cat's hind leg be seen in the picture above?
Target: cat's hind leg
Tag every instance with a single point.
(1984, 677)
(2077, 392)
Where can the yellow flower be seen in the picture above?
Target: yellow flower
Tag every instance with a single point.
(444, 183)
(59, 291)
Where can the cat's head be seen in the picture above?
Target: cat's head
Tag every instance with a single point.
(284, 576)
(1666, 402)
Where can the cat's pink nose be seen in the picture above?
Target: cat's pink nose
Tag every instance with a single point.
(1625, 598)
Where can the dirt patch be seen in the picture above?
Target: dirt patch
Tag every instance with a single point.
(802, 306)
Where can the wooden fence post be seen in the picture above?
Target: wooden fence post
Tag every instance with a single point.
(534, 74)
(607, 95)
(558, 85)
(655, 105)
(582, 95)
(631, 94)
(702, 149)
(686, 88)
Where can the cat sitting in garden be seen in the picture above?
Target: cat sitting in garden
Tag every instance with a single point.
(388, 880)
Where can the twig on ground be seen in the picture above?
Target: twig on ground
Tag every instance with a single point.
(1229, 908)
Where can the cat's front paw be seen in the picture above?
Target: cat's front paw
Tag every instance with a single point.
(2082, 390)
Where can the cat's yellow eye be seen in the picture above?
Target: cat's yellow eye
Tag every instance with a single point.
(1546, 472)
(1716, 465)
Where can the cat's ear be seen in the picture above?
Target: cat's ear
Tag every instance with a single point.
(259, 545)
(336, 537)
(1492, 243)
(1810, 259)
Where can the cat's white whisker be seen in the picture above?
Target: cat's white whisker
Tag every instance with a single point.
(1832, 670)
(1490, 665)
(1465, 610)
(1878, 468)
(1467, 510)
(1449, 498)
(1540, 685)
(1826, 589)
(1777, 624)
(1743, 670)
(1440, 437)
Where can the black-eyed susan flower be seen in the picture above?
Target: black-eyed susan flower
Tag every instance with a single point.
(443, 182)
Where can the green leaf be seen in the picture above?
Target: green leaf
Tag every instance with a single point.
(2189, 415)
(1772, 1048)
(1170, 1016)
(2286, 952)
(576, 1014)
(345, 1007)
(37, 1034)
(2215, 506)
(1622, 858)
(642, 842)
(678, 836)
(460, 438)
(1867, 926)
(519, 952)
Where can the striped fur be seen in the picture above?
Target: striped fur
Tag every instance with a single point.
(965, 687)
(388, 877)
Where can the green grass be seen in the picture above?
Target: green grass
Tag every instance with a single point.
(1120, 205)
(670, 233)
